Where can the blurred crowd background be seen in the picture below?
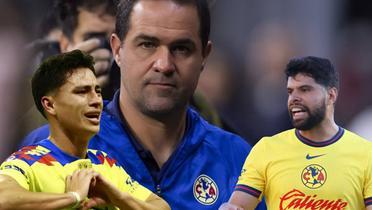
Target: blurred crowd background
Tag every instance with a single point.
(244, 79)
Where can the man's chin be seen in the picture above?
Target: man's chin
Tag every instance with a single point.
(92, 130)
(299, 124)
(161, 110)
(303, 126)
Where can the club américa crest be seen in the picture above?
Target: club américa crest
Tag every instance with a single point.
(313, 176)
(205, 190)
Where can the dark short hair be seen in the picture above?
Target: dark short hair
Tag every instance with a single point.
(54, 71)
(69, 12)
(125, 8)
(320, 69)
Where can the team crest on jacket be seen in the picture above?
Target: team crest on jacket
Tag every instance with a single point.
(314, 176)
(205, 190)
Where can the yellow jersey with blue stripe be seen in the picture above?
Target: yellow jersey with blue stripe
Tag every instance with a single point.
(293, 172)
(44, 167)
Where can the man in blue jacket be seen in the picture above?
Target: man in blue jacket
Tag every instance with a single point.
(161, 48)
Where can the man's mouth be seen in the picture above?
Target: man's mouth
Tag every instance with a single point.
(297, 112)
(94, 116)
(163, 84)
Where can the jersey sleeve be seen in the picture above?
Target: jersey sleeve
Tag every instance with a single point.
(368, 180)
(252, 178)
(18, 170)
(129, 185)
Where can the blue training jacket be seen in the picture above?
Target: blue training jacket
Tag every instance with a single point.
(200, 174)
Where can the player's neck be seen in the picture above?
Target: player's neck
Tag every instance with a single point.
(70, 142)
(322, 132)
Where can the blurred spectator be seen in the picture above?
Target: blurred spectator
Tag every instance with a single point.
(268, 50)
(215, 89)
(83, 24)
(87, 25)
(216, 81)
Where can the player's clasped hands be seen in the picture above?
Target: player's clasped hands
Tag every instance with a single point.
(90, 189)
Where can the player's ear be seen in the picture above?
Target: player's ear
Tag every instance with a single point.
(206, 51)
(48, 105)
(332, 95)
(115, 43)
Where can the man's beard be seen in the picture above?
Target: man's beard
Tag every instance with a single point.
(315, 117)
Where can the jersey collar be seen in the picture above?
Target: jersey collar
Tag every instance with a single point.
(312, 143)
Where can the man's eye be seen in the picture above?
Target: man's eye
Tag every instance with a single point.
(181, 50)
(305, 89)
(80, 91)
(147, 45)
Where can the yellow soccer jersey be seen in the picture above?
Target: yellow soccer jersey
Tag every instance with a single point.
(293, 172)
(44, 167)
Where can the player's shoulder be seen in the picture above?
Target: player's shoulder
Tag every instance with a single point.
(216, 139)
(279, 137)
(32, 154)
(355, 139)
(219, 137)
(282, 140)
(211, 132)
(110, 124)
(232, 148)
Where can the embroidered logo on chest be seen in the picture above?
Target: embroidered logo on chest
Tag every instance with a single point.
(205, 190)
(314, 176)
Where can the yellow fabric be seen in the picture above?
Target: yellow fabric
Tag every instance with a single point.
(337, 175)
(44, 173)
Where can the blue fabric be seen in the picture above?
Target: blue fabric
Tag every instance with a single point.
(35, 136)
(200, 174)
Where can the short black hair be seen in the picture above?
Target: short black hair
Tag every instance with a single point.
(54, 71)
(69, 11)
(320, 69)
(125, 8)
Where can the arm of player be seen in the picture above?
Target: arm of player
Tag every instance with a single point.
(369, 207)
(240, 201)
(14, 196)
(104, 192)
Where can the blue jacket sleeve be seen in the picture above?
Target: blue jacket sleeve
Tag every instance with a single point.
(35, 136)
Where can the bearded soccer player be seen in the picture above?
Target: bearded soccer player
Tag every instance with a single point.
(59, 172)
(316, 165)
